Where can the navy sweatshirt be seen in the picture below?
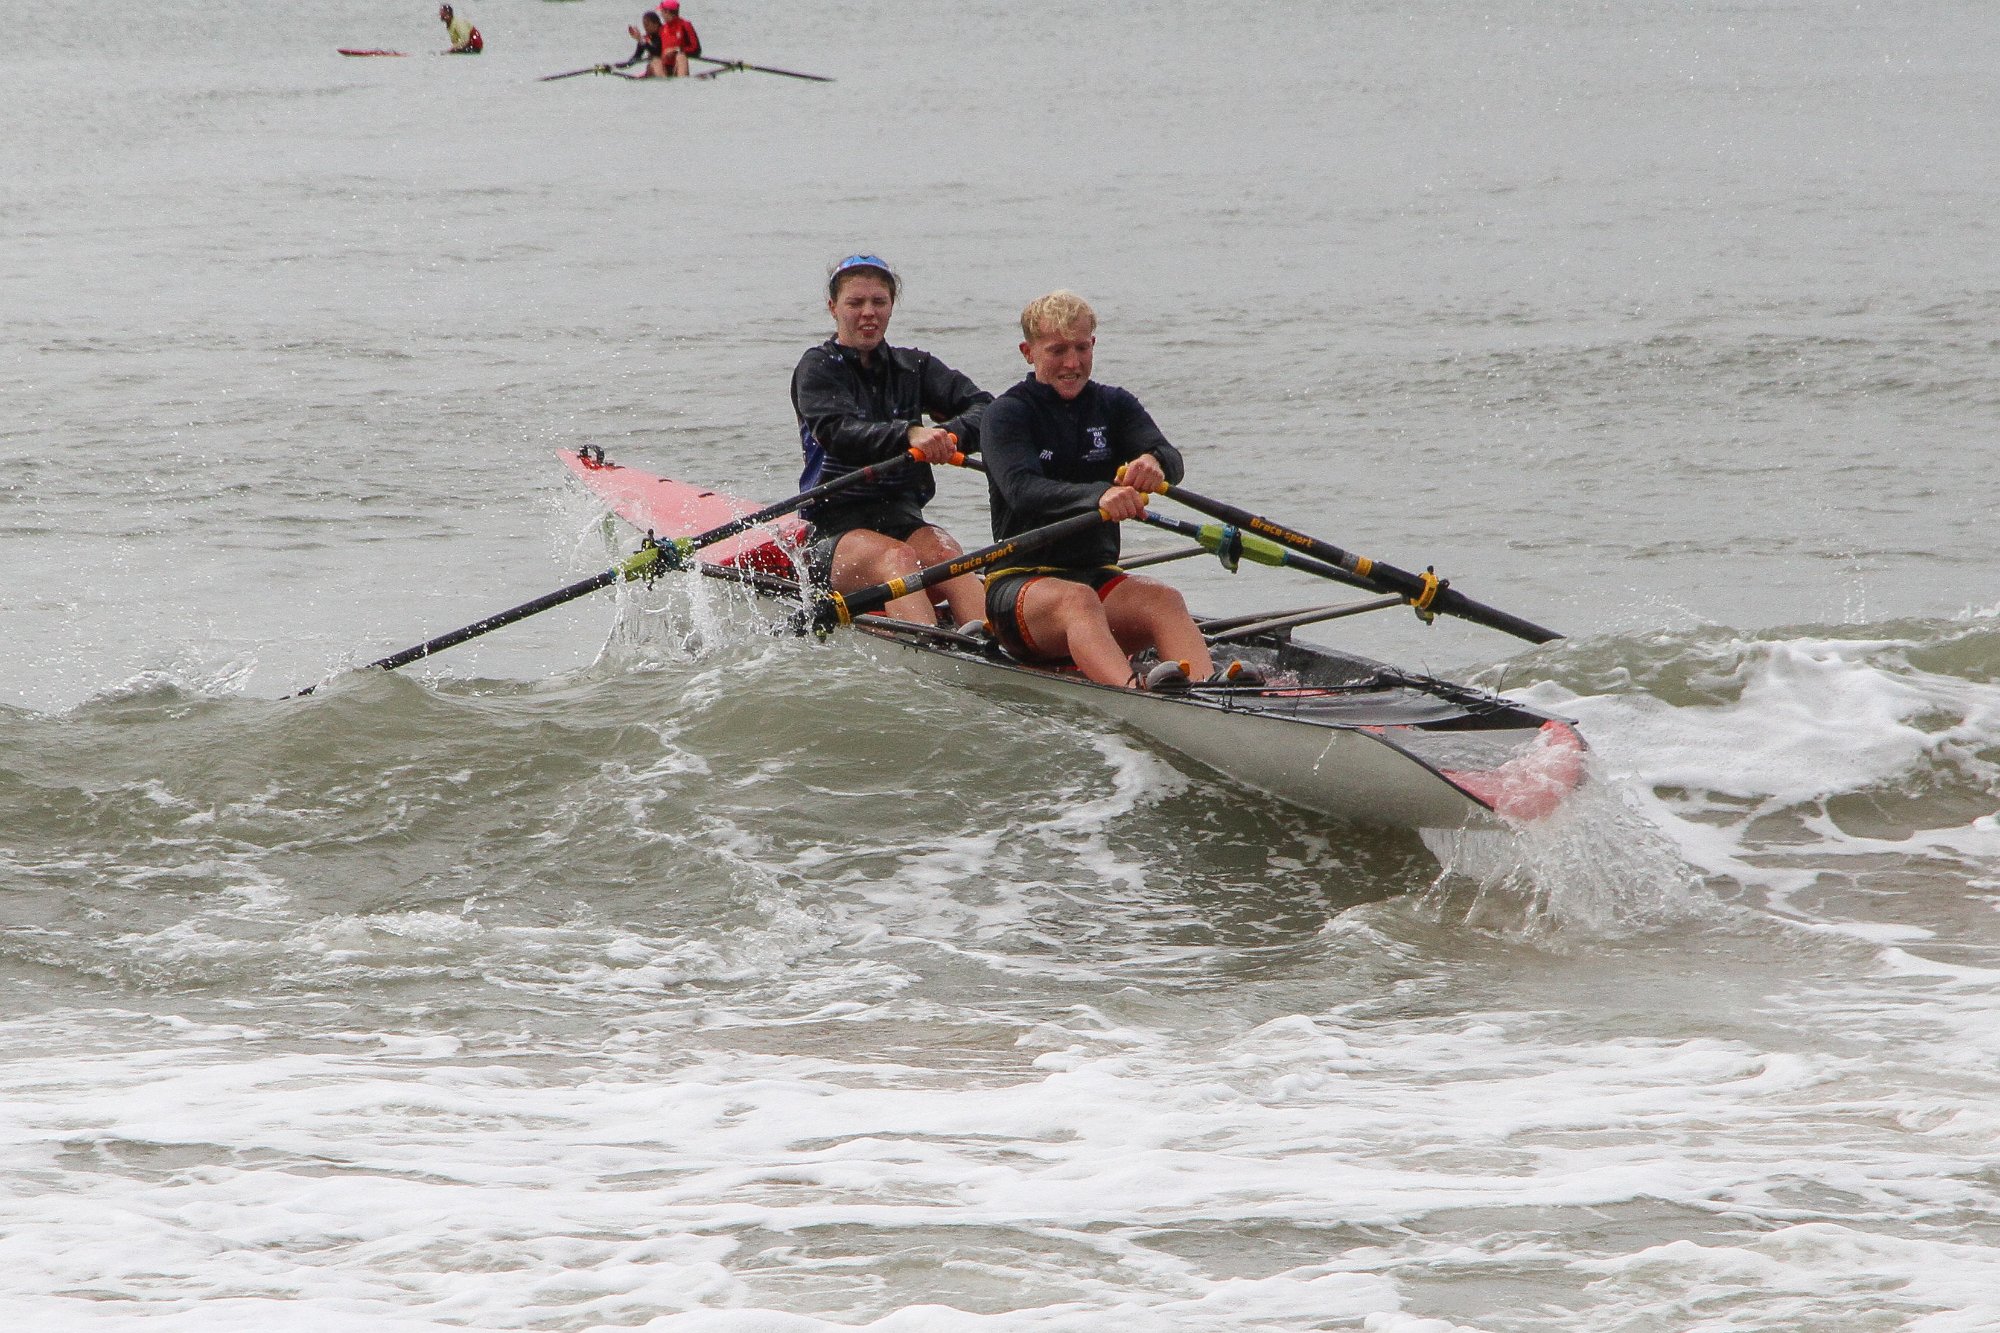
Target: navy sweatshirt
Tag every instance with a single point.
(1047, 460)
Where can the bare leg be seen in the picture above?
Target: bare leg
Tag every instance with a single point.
(964, 596)
(680, 64)
(1144, 613)
(863, 559)
(1066, 619)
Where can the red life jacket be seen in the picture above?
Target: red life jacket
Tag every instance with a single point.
(677, 34)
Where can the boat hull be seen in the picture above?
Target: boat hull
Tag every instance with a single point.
(1394, 756)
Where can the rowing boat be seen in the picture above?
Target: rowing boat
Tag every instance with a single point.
(1328, 731)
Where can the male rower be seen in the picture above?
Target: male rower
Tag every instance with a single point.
(1059, 444)
(465, 39)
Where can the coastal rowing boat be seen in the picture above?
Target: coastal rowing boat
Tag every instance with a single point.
(1329, 731)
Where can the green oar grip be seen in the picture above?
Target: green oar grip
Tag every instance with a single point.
(1233, 543)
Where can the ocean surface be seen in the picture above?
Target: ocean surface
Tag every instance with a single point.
(631, 968)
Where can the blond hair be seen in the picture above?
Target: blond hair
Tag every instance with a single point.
(1061, 311)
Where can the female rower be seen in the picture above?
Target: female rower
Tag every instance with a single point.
(651, 48)
(860, 401)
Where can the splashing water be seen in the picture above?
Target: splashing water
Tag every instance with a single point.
(1597, 867)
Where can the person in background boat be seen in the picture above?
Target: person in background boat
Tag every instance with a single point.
(647, 33)
(678, 42)
(1055, 445)
(860, 401)
(465, 39)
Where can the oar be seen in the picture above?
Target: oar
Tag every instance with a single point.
(1425, 591)
(633, 566)
(655, 557)
(1230, 544)
(761, 69)
(570, 74)
(831, 609)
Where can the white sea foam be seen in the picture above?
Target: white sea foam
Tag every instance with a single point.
(1788, 727)
(417, 1180)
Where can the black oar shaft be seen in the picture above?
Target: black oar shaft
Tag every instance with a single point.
(872, 472)
(1386, 578)
(630, 568)
(761, 69)
(507, 617)
(1289, 559)
(657, 555)
(841, 608)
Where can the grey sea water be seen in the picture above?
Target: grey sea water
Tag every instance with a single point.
(632, 969)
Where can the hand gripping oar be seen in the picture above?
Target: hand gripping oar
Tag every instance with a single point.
(761, 69)
(832, 609)
(656, 556)
(1426, 591)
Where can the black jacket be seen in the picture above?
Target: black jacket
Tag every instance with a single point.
(1047, 460)
(851, 416)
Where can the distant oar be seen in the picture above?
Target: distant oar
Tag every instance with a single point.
(1426, 592)
(570, 74)
(657, 556)
(831, 609)
(761, 69)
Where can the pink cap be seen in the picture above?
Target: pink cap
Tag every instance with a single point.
(670, 6)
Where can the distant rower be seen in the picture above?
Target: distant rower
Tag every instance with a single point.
(677, 38)
(650, 45)
(465, 39)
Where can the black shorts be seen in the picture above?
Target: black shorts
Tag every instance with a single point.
(1003, 603)
(820, 546)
